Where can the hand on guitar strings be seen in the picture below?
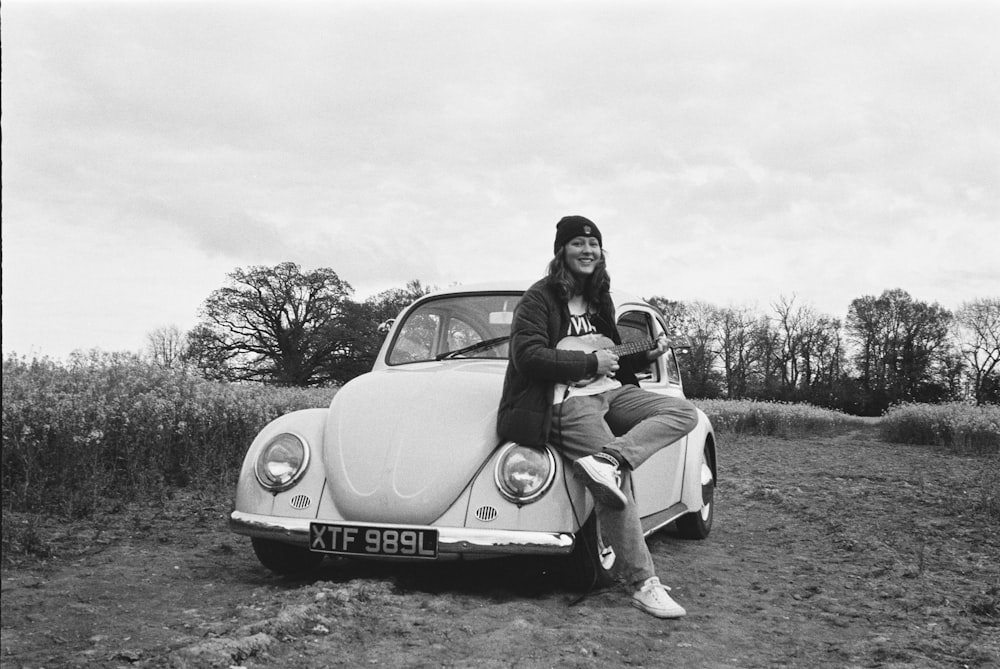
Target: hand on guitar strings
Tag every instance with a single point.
(607, 362)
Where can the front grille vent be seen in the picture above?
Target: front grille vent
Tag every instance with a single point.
(486, 513)
(300, 502)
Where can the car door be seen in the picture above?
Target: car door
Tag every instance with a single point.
(658, 481)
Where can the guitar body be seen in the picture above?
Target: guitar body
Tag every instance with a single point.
(586, 343)
(595, 342)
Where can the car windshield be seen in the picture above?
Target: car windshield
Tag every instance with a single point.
(476, 325)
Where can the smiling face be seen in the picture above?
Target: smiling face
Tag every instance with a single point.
(582, 255)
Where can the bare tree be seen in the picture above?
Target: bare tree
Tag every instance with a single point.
(792, 323)
(701, 362)
(697, 321)
(737, 349)
(167, 346)
(976, 329)
(823, 351)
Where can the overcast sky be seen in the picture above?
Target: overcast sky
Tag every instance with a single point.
(731, 152)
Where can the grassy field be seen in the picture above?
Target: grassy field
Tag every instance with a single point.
(111, 428)
(827, 551)
(776, 419)
(840, 541)
(960, 427)
(956, 428)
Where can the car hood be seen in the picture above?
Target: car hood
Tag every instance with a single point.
(401, 444)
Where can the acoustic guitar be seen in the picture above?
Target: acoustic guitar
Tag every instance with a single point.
(591, 343)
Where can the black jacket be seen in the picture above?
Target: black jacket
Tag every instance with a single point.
(541, 319)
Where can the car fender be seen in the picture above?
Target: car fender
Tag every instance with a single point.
(302, 499)
(563, 508)
(696, 440)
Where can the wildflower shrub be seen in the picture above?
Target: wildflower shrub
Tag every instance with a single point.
(109, 426)
(775, 419)
(956, 425)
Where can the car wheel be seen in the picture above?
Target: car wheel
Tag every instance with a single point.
(285, 559)
(591, 562)
(698, 524)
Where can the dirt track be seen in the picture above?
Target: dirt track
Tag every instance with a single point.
(843, 552)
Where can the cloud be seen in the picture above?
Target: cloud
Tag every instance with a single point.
(730, 152)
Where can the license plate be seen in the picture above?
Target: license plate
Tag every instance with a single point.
(368, 540)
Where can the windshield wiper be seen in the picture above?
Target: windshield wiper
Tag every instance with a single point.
(478, 346)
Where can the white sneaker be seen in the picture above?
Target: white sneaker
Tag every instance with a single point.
(652, 598)
(603, 479)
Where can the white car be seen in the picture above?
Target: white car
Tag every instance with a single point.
(406, 463)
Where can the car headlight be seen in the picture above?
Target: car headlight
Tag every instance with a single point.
(282, 461)
(523, 474)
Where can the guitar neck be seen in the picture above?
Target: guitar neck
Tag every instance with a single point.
(634, 347)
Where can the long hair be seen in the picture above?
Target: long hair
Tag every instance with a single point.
(594, 288)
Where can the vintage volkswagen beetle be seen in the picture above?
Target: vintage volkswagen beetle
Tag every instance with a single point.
(406, 463)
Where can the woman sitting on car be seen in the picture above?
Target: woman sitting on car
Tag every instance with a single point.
(563, 387)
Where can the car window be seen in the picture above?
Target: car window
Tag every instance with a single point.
(416, 340)
(437, 326)
(637, 326)
(460, 334)
(673, 371)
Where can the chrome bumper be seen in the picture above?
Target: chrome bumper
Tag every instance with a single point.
(451, 540)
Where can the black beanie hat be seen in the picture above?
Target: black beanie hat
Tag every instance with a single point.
(575, 226)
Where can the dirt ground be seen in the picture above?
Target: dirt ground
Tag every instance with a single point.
(826, 552)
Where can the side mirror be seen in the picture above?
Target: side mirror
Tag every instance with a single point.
(385, 326)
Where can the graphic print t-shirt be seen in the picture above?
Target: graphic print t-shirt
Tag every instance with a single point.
(580, 325)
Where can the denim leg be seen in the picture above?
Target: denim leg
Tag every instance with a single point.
(623, 530)
(578, 427)
(646, 422)
(578, 430)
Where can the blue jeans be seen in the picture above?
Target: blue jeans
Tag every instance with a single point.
(636, 424)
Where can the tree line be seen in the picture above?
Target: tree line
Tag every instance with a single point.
(891, 349)
(286, 326)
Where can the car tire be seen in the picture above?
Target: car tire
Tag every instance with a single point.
(592, 561)
(285, 559)
(698, 524)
